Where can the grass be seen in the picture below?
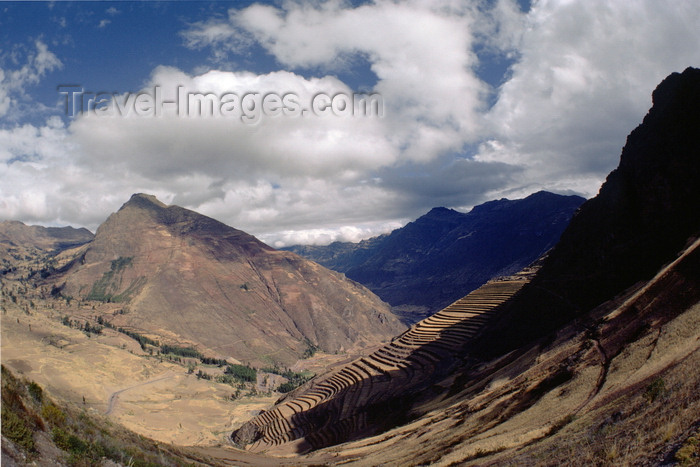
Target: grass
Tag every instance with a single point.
(103, 288)
(630, 430)
(689, 452)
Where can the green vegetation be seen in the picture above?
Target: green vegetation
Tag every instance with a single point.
(689, 452)
(188, 352)
(103, 289)
(294, 380)
(18, 418)
(36, 392)
(142, 340)
(53, 415)
(16, 428)
(310, 350)
(86, 328)
(213, 361)
(242, 373)
(655, 389)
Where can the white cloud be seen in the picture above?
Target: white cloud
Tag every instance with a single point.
(14, 82)
(325, 236)
(583, 81)
(420, 51)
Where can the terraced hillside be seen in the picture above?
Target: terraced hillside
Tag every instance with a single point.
(372, 393)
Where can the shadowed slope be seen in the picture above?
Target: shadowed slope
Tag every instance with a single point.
(507, 388)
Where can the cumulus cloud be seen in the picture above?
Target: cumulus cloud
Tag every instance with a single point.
(420, 51)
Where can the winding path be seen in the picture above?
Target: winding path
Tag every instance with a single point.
(115, 395)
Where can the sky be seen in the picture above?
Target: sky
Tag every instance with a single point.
(255, 113)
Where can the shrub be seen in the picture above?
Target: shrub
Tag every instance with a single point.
(53, 415)
(36, 392)
(655, 389)
(69, 442)
(16, 429)
(689, 452)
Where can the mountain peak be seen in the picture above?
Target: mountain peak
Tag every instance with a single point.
(440, 213)
(144, 200)
(206, 282)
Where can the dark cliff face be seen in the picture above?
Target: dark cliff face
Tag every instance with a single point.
(445, 254)
(644, 214)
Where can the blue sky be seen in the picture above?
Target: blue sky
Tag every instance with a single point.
(481, 100)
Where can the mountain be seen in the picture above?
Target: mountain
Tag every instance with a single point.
(16, 239)
(592, 357)
(443, 255)
(180, 275)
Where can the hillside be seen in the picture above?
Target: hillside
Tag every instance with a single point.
(617, 384)
(187, 278)
(18, 241)
(436, 259)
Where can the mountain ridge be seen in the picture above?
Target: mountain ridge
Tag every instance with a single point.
(444, 254)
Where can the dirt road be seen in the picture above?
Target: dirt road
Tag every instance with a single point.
(115, 395)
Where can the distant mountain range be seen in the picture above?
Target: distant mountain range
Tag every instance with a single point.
(445, 254)
(16, 239)
(196, 281)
